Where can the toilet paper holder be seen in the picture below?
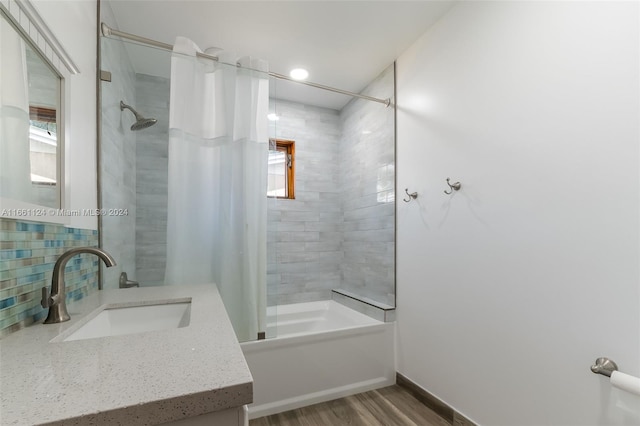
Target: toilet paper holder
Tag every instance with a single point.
(604, 366)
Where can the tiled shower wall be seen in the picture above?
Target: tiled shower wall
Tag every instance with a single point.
(133, 169)
(152, 149)
(118, 161)
(339, 232)
(28, 251)
(367, 180)
(304, 238)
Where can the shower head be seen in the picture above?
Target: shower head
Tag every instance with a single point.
(141, 122)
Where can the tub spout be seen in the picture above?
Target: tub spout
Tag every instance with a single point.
(56, 300)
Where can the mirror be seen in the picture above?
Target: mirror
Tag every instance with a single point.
(30, 100)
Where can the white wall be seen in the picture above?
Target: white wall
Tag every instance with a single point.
(509, 289)
(74, 23)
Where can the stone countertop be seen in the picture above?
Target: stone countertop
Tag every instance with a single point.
(136, 379)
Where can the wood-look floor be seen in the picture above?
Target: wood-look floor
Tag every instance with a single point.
(390, 406)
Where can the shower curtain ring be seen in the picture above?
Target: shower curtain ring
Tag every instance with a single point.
(413, 195)
(453, 187)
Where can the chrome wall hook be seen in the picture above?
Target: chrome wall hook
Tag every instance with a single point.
(413, 195)
(453, 187)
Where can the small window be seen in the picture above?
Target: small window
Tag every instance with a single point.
(281, 168)
(43, 145)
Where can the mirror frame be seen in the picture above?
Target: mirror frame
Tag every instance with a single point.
(26, 20)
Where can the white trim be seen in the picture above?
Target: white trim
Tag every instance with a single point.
(28, 18)
(40, 135)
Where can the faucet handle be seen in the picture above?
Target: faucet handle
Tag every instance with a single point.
(48, 300)
(45, 302)
(125, 282)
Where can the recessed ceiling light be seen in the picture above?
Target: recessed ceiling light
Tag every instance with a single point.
(273, 117)
(299, 74)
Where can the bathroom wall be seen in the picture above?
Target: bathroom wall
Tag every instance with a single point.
(304, 236)
(339, 231)
(29, 247)
(134, 163)
(509, 289)
(367, 183)
(118, 159)
(152, 149)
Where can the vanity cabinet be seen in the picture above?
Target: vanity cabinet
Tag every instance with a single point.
(193, 374)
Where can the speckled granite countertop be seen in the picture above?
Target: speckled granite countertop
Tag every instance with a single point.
(136, 379)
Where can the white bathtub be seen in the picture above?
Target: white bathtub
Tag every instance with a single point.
(323, 351)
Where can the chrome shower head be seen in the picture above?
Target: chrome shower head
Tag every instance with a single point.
(141, 122)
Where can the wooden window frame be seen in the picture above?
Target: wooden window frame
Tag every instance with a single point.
(289, 148)
(48, 115)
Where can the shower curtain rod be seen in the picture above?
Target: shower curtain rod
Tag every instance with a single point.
(108, 31)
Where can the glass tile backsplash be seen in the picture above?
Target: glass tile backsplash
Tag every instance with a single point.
(28, 251)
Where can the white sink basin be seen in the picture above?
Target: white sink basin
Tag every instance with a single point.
(134, 319)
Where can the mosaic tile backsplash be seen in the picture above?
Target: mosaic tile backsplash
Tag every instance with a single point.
(28, 251)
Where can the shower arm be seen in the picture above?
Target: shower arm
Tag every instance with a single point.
(108, 31)
(124, 106)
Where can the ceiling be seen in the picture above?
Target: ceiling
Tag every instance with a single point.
(343, 44)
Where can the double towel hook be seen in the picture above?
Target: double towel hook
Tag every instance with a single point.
(413, 195)
(453, 187)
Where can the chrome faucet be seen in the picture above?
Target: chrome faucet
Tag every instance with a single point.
(125, 282)
(56, 300)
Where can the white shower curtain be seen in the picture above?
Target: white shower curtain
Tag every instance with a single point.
(217, 209)
(15, 164)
